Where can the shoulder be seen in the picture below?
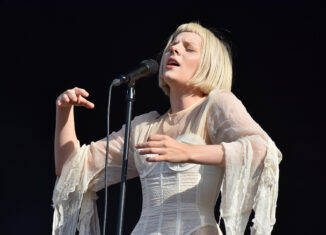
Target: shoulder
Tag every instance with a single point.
(145, 118)
(141, 125)
(223, 100)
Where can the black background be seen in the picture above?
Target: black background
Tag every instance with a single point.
(50, 46)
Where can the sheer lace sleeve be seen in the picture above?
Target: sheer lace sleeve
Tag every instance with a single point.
(251, 171)
(74, 196)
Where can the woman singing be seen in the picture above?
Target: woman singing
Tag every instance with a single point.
(206, 143)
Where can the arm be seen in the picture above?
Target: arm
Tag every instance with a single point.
(251, 166)
(207, 154)
(65, 141)
(171, 150)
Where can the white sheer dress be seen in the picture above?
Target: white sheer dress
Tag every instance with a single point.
(180, 198)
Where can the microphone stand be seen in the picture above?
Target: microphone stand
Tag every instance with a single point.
(130, 99)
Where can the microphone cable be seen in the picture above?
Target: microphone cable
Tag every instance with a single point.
(106, 159)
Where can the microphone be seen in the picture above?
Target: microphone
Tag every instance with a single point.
(145, 69)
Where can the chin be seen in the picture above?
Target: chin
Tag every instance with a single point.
(170, 76)
(169, 79)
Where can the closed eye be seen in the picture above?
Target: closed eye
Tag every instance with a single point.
(189, 49)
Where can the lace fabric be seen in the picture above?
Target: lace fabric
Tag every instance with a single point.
(248, 185)
(72, 200)
(252, 173)
(250, 177)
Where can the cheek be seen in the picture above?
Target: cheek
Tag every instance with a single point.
(194, 64)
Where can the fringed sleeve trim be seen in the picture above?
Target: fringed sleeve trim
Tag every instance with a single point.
(266, 196)
(249, 185)
(72, 200)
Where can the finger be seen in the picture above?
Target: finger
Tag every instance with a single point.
(160, 158)
(72, 96)
(150, 144)
(62, 100)
(156, 137)
(159, 151)
(65, 98)
(85, 103)
(81, 91)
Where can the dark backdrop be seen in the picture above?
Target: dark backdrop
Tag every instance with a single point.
(49, 46)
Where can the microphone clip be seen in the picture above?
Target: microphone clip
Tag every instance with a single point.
(120, 80)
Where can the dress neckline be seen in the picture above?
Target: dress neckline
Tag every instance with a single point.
(182, 112)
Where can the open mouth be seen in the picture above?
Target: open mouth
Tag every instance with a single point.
(172, 62)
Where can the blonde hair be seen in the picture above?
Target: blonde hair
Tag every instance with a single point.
(215, 67)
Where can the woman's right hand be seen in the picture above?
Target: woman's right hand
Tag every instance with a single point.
(75, 96)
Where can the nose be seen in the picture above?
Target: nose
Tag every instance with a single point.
(174, 49)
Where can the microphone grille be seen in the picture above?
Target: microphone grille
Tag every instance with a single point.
(152, 66)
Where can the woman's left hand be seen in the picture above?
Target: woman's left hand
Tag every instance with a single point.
(166, 148)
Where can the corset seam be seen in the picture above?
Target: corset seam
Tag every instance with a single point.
(161, 199)
(147, 203)
(197, 192)
(178, 206)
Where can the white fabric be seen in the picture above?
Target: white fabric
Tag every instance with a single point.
(180, 198)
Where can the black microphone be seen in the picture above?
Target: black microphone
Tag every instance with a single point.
(145, 69)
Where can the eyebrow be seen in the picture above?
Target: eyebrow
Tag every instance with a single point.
(191, 43)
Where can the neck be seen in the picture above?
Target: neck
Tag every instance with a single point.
(181, 100)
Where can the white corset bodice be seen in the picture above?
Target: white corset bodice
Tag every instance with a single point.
(177, 198)
(178, 201)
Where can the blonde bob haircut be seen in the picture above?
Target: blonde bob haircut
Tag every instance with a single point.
(215, 67)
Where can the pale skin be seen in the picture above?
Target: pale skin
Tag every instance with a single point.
(186, 50)
(65, 141)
